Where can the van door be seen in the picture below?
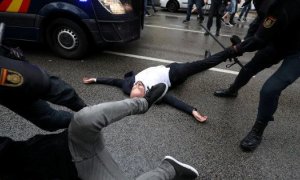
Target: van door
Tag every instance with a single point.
(17, 18)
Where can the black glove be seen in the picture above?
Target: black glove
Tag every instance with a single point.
(15, 53)
(232, 52)
(234, 39)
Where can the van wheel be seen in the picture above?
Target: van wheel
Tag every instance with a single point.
(172, 6)
(67, 39)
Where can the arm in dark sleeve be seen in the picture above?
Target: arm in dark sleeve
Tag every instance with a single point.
(178, 104)
(271, 27)
(254, 25)
(110, 81)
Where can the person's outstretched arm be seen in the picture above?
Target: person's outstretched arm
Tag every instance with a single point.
(178, 104)
(107, 81)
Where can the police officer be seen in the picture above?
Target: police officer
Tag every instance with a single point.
(277, 37)
(25, 89)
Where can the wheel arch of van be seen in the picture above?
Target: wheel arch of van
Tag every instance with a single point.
(57, 10)
(68, 30)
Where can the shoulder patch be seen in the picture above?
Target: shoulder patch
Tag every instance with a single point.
(10, 78)
(269, 22)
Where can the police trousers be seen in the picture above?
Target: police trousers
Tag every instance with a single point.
(287, 73)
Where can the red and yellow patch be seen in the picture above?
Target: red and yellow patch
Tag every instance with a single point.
(20, 6)
(10, 78)
(269, 22)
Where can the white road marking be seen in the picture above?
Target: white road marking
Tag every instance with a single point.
(164, 61)
(179, 29)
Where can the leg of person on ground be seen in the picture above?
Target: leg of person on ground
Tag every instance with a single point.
(179, 72)
(287, 73)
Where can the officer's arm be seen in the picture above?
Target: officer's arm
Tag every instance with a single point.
(253, 27)
(271, 28)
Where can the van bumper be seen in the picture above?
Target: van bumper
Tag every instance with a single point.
(114, 31)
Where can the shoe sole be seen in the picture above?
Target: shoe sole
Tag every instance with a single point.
(182, 164)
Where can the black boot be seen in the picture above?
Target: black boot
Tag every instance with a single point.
(253, 138)
(230, 92)
(156, 93)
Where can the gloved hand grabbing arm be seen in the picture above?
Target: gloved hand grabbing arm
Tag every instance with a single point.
(233, 51)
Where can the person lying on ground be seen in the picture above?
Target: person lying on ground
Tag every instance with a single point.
(174, 74)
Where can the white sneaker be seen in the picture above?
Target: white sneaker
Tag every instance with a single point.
(183, 171)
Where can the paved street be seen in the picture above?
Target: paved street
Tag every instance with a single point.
(139, 142)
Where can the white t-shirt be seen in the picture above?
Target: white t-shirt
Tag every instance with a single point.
(154, 75)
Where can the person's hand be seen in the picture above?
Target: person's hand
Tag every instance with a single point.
(233, 52)
(199, 117)
(87, 80)
(16, 53)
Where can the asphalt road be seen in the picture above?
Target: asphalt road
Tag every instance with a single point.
(139, 142)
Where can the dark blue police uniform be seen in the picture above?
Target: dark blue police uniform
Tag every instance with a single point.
(25, 89)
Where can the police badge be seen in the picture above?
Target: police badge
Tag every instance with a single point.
(269, 22)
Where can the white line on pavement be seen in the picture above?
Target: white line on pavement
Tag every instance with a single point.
(179, 29)
(164, 61)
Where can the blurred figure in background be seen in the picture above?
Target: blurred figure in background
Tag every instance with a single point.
(246, 8)
(214, 10)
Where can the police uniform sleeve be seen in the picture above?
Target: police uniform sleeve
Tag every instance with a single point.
(269, 29)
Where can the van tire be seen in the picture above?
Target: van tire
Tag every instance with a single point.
(67, 38)
(172, 6)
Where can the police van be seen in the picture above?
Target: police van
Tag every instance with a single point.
(69, 27)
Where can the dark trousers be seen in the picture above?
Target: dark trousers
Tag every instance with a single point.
(245, 11)
(286, 74)
(39, 112)
(214, 11)
(42, 157)
(179, 72)
(264, 58)
(190, 7)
